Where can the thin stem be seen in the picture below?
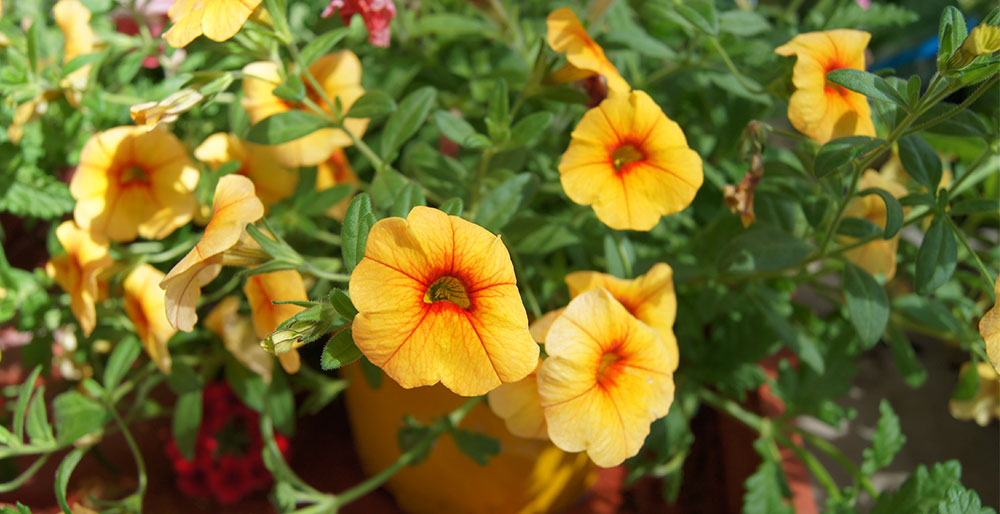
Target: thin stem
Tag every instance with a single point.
(140, 464)
(27, 474)
(815, 466)
(985, 86)
(990, 280)
(310, 268)
(732, 408)
(484, 164)
(732, 67)
(831, 450)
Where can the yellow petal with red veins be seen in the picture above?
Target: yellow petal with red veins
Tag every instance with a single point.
(567, 35)
(540, 327)
(144, 304)
(989, 328)
(520, 407)
(77, 271)
(272, 181)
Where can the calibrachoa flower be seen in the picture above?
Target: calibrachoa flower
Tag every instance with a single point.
(144, 305)
(73, 19)
(77, 271)
(376, 13)
(261, 291)
(218, 20)
(333, 172)
(989, 328)
(520, 407)
(879, 255)
(586, 58)
(338, 74)
(630, 162)
(238, 336)
(133, 182)
(438, 301)
(235, 205)
(985, 405)
(606, 378)
(818, 108)
(272, 181)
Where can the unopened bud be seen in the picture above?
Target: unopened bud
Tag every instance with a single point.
(983, 40)
(167, 110)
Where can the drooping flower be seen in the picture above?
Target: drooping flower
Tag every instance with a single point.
(586, 58)
(438, 301)
(272, 181)
(265, 288)
(133, 182)
(144, 305)
(985, 405)
(630, 163)
(818, 108)
(333, 172)
(338, 74)
(151, 114)
(879, 255)
(606, 379)
(235, 205)
(650, 298)
(238, 336)
(989, 328)
(218, 20)
(77, 271)
(376, 13)
(73, 19)
(520, 407)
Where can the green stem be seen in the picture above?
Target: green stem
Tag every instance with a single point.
(312, 269)
(140, 464)
(732, 67)
(27, 474)
(484, 164)
(959, 108)
(815, 466)
(990, 280)
(732, 408)
(831, 450)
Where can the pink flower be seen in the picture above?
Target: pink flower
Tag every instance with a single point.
(376, 13)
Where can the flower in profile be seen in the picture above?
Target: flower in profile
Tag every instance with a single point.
(985, 405)
(376, 13)
(585, 57)
(520, 407)
(272, 181)
(264, 289)
(984, 39)
(144, 305)
(630, 162)
(73, 19)
(818, 108)
(218, 20)
(338, 74)
(333, 172)
(151, 114)
(606, 379)
(438, 301)
(989, 328)
(879, 255)
(650, 298)
(77, 271)
(224, 242)
(133, 182)
(237, 334)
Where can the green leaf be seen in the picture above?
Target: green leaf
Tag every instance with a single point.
(79, 62)
(284, 127)
(39, 429)
(498, 112)
(371, 105)
(528, 129)
(762, 248)
(701, 14)
(868, 84)
(907, 363)
(887, 440)
(478, 447)
(858, 227)
(799, 342)
(619, 254)
(371, 372)
(959, 500)
(183, 379)
(968, 384)
(23, 397)
(412, 438)
(339, 351)
(452, 206)
(923, 492)
(318, 202)
(292, 89)
(975, 206)
(921, 161)
(867, 304)
(274, 248)
(248, 386)
(38, 196)
(743, 23)
(500, 205)
(76, 416)
(936, 259)
(409, 197)
(839, 152)
(893, 211)
(764, 491)
(322, 44)
(358, 221)
(457, 129)
(63, 473)
(122, 357)
(280, 403)
(406, 121)
(343, 304)
(951, 34)
(187, 421)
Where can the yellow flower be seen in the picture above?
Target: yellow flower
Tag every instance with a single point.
(586, 58)
(77, 271)
(338, 74)
(261, 291)
(985, 405)
(151, 114)
(218, 20)
(989, 328)
(438, 301)
(982, 40)
(519, 405)
(235, 205)
(131, 182)
(237, 334)
(606, 379)
(878, 256)
(630, 162)
(650, 298)
(144, 305)
(73, 19)
(332, 172)
(818, 108)
(272, 181)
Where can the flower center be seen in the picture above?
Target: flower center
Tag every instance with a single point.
(447, 289)
(133, 174)
(625, 155)
(605, 369)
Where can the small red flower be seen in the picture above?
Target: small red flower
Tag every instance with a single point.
(376, 13)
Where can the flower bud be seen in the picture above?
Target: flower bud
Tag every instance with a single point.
(983, 40)
(167, 110)
(304, 327)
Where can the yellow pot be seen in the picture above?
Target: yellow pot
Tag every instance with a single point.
(527, 476)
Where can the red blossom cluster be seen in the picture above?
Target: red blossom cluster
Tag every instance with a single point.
(376, 13)
(227, 464)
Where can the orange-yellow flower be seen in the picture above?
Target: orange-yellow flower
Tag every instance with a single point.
(131, 182)
(338, 74)
(985, 405)
(520, 407)
(272, 181)
(235, 205)
(218, 20)
(818, 108)
(144, 305)
(630, 162)
(878, 256)
(438, 301)
(261, 291)
(586, 58)
(606, 379)
(650, 298)
(77, 271)
(333, 172)
(989, 328)
(73, 19)
(237, 334)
